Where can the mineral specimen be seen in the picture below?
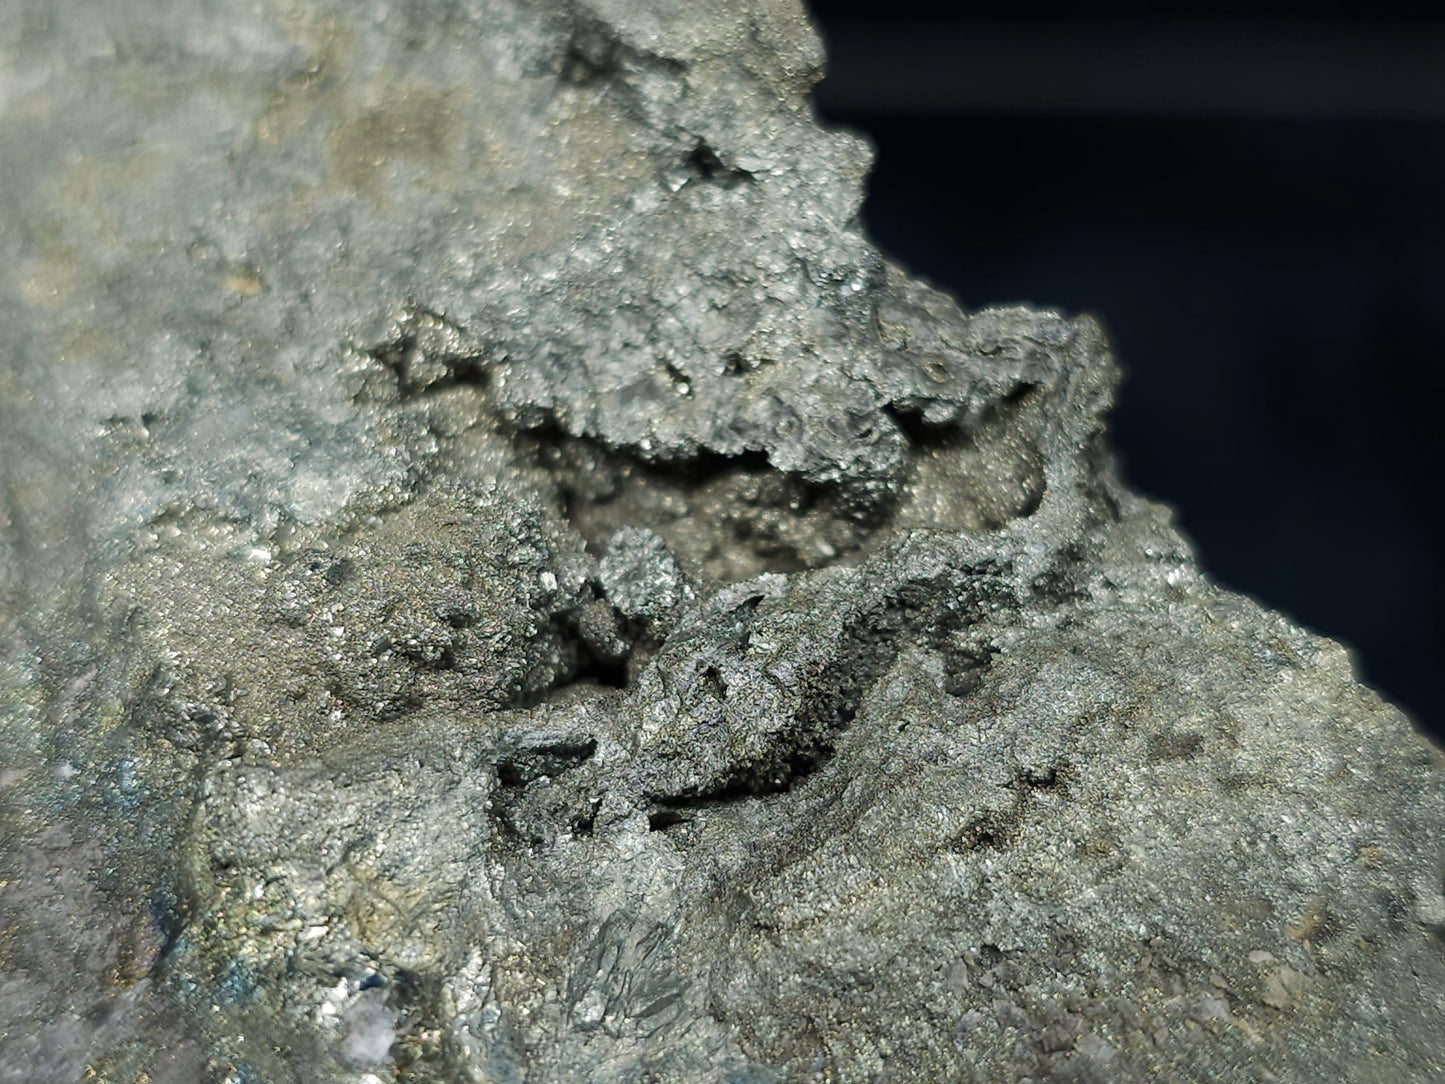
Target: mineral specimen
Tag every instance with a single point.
(503, 582)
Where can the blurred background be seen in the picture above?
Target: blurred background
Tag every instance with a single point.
(1249, 196)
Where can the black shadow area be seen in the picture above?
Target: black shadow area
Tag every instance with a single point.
(1269, 263)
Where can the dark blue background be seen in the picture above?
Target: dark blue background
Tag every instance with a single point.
(1268, 258)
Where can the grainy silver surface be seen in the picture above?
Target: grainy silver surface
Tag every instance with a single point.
(502, 582)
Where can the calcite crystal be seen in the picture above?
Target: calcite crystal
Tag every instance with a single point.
(503, 582)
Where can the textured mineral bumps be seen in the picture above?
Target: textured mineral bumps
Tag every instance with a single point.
(502, 582)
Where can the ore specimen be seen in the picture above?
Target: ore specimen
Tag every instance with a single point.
(501, 582)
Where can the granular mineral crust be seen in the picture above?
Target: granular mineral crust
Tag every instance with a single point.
(503, 582)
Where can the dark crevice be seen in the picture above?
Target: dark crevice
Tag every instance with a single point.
(660, 820)
(714, 682)
(910, 417)
(725, 518)
(1019, 392)
(736, 363)
(680, 380)
(989, 955)
(834, 694)
(519, 768)
(788, 768)
(582, 825)
(777, 775)
(402, 359)
(704, 165)
(921, 433)
(425, 356)
(605, 673)
(594, 668)
(551, 446)
(544, 795)
(964, 669)
(591, 662)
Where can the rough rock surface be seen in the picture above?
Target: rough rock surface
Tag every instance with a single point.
(502, 582)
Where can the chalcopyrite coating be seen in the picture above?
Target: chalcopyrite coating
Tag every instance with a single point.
(501, 581)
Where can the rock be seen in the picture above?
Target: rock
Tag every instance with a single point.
(503, 582)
